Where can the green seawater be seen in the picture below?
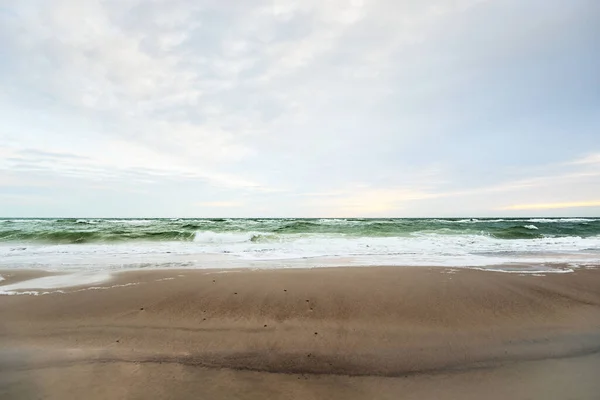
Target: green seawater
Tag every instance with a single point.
(77, 231)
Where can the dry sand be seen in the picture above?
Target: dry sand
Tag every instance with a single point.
(337, 333)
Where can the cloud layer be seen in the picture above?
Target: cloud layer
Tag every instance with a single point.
(287, 108)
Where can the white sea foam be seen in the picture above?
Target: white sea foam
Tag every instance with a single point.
(58, 291)
(132, 221)
(339, 221)
(555, 220)
(534, 270)
(108, 287)
(241, 249)
(29, 293)
(224, 237)
(87, 221)
(26, 221)
(57, 281)
(469, 221)
(534, 220)
(533, 227)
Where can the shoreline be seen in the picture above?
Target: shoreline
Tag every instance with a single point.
(338, 327)
(12, 276)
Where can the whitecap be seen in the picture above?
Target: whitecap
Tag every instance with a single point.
(549, 220)
(211, 237)
(87, 221)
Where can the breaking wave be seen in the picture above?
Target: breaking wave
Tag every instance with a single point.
(81, 231)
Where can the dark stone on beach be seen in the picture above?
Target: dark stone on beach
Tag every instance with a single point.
(214, 280)
(307, 301)
(141, 308)
(235, 293)
(309, 355)
(117, 340)
(285, 290)
(316, 333)
(203, 319)
(265, 325)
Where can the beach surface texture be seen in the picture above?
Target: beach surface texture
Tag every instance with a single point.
(335, 333)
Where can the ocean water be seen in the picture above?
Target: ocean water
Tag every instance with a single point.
(97, 245)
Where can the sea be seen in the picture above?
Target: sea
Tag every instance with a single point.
(513, 245)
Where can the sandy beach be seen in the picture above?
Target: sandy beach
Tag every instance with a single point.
(347, 333)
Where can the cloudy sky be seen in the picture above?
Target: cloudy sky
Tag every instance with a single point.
(309, 108)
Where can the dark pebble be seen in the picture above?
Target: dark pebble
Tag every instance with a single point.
(141, 308)
(235, 293)
(316, 333)
(265, 326)
(117, 341)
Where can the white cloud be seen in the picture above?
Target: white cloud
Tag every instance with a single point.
(274, 100)
(592, 160)
(553, 206)
(220, 204)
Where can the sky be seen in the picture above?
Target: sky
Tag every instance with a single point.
(358, 108)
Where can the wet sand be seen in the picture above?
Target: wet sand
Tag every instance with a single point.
(347, 333)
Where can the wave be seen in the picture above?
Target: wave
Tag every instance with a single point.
(87, 221)
(534, 220)
(469, 220)
(209, 237)
(88, 230)
(559, 220)
(66, 220)
(299, 226)
(517, 245)
(135, 222)
(78, 237)
(518, 232)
